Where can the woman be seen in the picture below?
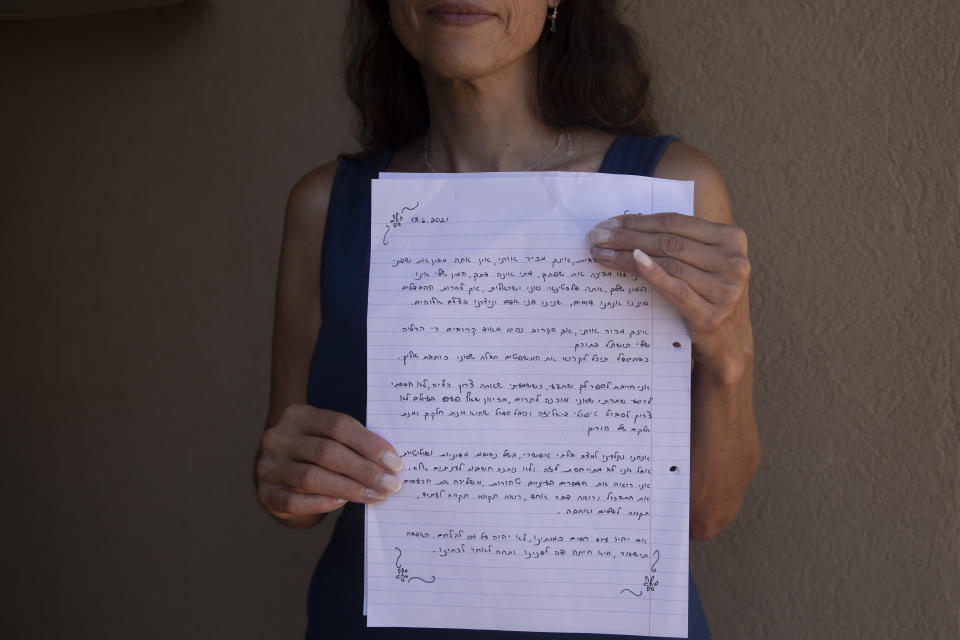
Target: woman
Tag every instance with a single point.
(493, 85)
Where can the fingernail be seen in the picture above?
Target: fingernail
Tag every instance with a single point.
(611, 223)
(599, 235)
(339, 501)
(642, 258)
(390, 482)
(391, 460)
(369, 495)
(603, 254)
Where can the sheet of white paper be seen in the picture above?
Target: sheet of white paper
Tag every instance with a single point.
(540, 404)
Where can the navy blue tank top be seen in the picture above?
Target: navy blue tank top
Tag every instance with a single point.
(337, 381)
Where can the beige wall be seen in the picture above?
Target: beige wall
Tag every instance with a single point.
(145, 158)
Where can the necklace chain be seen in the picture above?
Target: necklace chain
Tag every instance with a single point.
(563, 134)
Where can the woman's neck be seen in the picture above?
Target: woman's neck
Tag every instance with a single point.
(487, 124)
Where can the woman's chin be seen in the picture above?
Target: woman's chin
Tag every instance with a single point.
(460, 67)
(465, 60)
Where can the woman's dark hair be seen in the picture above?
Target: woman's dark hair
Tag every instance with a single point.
(591, 73)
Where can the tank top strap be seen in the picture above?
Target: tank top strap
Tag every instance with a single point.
(337, 378)
(346, 238)
(635, 155)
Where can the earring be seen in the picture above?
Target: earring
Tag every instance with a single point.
(553, 19)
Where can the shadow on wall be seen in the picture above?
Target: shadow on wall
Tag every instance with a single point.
(135, 29)
(30, 9)
(138, 34)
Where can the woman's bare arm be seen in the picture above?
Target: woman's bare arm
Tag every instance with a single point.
(725, 444)
(297, 305)
(701, 266)
(311, 461)
(297, 316)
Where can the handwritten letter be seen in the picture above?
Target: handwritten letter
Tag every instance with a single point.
(541, 406)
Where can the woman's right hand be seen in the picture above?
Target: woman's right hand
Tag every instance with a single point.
(313, 461)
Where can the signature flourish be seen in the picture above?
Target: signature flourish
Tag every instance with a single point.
(403, 575)
(396, 220)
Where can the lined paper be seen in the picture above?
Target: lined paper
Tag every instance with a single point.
(540, 404)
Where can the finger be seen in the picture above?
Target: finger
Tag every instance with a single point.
(691, 227)
(284, 503)
(309, 478)
(336, 457)
(346, 430)
(709, 286)
(667, 245)
(693, 307)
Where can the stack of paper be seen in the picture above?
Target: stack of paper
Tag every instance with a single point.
(540, 403)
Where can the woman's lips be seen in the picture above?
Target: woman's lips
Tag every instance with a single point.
(460, 13)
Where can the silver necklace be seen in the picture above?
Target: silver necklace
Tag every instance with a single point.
(563, 134)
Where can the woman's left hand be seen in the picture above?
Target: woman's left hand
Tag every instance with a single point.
(700, 267)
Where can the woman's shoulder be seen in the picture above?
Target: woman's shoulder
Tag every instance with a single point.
(681, 161)
(312, 190)
(308, 200)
